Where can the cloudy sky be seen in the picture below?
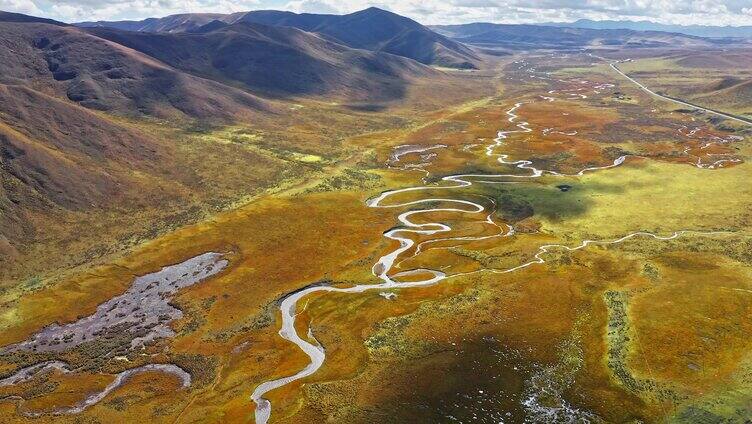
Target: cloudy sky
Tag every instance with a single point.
(708, 12)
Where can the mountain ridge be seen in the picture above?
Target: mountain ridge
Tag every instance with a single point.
(526, 36)
(711, 31)
(274, 61)
(371, 29)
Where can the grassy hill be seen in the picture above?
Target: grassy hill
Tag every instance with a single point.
(370, 29)
(276, 61)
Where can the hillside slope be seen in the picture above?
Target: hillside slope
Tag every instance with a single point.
(277, 61)
(21, 18)
(371, 29)
(724, 74)
(68, 63)
(75, 149)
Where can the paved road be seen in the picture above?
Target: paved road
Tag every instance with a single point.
(681, 102)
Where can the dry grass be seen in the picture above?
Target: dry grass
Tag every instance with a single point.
(645, 330)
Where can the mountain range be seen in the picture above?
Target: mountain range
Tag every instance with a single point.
(275, 60)
(696, 30)
(370, 29)
(561, 37)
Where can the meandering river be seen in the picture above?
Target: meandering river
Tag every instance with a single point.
(383, 267)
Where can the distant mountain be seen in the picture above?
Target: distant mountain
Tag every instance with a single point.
(275, 61)
(553, 37)
(378, 30)
(695, 30)
(174, 23)
(370, 29)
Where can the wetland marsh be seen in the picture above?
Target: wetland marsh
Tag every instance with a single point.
(541, 251)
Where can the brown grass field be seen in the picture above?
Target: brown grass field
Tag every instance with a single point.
(644, 330)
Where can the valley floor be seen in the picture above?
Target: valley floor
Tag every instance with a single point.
(552, 245)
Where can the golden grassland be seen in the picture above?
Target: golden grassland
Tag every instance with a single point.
(216, 168)
(645, 330)
(250, 235)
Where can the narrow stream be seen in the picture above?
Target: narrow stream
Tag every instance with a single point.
(381, 269)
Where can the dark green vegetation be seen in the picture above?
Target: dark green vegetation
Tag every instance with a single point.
(547, 201)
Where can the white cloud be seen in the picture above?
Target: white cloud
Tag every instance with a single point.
(78, 10)
(708, 12)
(20, 6)
(311, 6)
